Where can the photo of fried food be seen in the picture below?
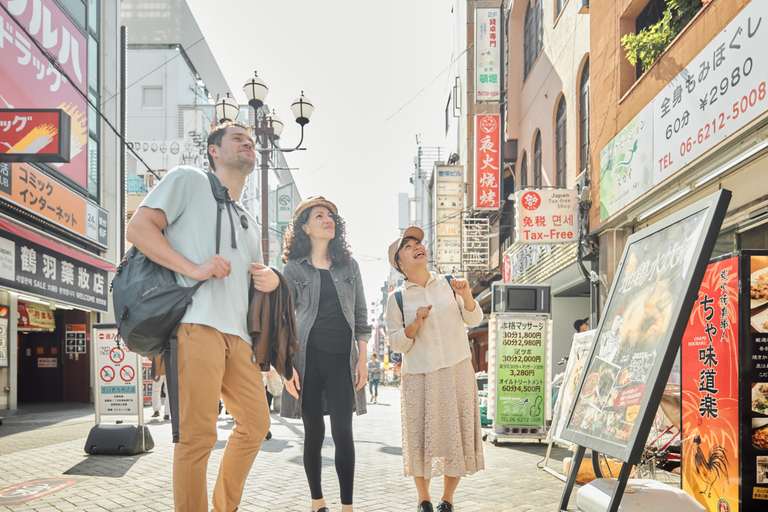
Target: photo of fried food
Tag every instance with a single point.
(760, 438)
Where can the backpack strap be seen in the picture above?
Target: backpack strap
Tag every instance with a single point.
(221, 195)
(399, 297)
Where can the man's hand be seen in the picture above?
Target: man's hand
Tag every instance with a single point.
(292, 386)
(461, 287)
(264, 278)
(217, 267)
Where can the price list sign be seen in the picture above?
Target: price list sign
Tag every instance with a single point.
(521, 348)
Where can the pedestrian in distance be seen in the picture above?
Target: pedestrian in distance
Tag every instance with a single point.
(581, 325)
(333, 332)
(374, 376)
(439, 404)
(158, 401)
(175, 226)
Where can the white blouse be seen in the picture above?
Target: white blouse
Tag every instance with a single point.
(441, 341)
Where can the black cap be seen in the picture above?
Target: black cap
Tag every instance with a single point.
(578, 323)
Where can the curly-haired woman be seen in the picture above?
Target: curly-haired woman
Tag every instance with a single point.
(333, 333)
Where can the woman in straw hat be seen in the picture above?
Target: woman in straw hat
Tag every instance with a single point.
(440, 412)
(333, 332)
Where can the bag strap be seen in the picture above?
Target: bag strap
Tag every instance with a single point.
(221, 195)
(399, 296)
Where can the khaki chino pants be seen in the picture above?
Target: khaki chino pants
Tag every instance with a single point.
(213, 364)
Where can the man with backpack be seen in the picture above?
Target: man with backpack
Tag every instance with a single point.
(175, 227)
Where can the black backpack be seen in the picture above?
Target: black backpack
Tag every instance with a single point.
(149, 303)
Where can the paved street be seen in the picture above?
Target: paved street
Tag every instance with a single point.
(51, 446)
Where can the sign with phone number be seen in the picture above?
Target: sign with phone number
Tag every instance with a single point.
(521, 347)
(722, 90)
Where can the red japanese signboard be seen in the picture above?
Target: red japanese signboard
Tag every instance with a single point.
(710, 391)
(37, 135)
(29, 80)
(546, 216)
(487, 161)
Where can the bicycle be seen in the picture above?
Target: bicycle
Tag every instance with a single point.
(661, 458)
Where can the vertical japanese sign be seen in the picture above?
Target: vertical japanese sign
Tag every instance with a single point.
(487, 54)
(118, 373)
(521, 358)
(710, 391)
(487, 161)
(754, 454)
(449, 204)
(546, 216)
(3, 336)
(29, 80)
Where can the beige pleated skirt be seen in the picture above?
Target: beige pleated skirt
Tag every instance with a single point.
(441, 422)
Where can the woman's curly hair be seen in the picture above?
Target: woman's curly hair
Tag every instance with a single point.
(297, 244)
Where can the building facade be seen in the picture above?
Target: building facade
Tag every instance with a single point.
(547, 132)
(61, 223)
(686, 136)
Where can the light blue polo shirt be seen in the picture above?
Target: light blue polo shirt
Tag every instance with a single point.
(184, 194)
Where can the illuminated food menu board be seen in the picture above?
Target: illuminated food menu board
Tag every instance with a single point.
(648, 307)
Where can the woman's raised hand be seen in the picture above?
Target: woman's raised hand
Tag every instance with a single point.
(422, 314)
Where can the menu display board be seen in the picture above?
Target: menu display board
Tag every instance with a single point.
(710, 390)
(577, 357)
(521, 353)
(754, 420)
(646, 311)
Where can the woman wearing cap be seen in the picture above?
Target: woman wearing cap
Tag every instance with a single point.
(333, 332)
(440, 412)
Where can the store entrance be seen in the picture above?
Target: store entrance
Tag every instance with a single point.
(39, 367)
(53, 363)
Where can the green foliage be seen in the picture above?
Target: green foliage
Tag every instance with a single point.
(646, 46)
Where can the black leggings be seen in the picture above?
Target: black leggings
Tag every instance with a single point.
(329, 372)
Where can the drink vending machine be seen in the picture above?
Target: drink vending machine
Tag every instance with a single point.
(519, 362)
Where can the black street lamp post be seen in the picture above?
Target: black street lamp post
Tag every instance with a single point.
(266, 131)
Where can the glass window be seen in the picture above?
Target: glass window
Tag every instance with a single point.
(558, 7)
(537, 161)
(584, 117)
(560, 139)
(93, 116)
(93, 16)
(524, 171)
(93, 167)
(93, 64)
(152, 96)
(76, 11)
(532, 36)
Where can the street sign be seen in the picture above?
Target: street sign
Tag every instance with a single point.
(117, 381)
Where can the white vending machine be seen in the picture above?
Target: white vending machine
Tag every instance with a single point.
(519, 362)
